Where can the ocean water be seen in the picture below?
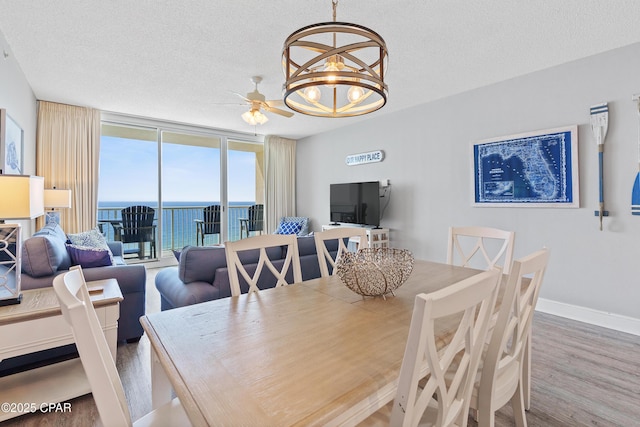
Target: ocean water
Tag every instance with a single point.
(178, 220)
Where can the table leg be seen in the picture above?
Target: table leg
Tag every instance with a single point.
(160, 386)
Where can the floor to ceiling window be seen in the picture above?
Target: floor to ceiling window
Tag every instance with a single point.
(176, 170)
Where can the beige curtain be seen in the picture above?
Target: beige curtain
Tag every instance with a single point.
(67, 155)
(280, 159)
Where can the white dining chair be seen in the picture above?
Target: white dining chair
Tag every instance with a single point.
(480, 247)
(97, 361)
(351, 234)
(262, 243)
(465, 309)
(504, 374)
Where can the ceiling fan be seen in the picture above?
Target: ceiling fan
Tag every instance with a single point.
(257, 102)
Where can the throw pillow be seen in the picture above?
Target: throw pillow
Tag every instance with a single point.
(44, 255)
(289, 228)
(92, 239)
(303, 221)
(88, 257)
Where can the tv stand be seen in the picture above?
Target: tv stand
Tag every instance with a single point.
(378, 237)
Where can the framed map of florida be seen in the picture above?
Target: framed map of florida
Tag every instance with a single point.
(536, 169)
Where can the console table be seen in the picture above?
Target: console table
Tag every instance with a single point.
(378, 237)
(37, 324)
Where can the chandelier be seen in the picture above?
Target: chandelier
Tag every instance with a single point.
(335, 69)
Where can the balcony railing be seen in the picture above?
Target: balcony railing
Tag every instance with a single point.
(179, 226)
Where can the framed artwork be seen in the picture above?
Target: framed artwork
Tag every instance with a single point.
(535, 169)
(11, 145)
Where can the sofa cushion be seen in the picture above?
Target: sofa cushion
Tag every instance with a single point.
(200, 263)
(43, 255)
(88, 257)
(52, 229)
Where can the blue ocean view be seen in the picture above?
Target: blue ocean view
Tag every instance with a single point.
(178, 220)
(154, 204)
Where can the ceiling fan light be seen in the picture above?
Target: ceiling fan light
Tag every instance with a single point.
(254, 117)
(260, 118)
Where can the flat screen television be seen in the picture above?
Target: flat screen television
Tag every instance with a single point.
(355, 203)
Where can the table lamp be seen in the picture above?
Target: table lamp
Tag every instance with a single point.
(54, 198)
(22, 198)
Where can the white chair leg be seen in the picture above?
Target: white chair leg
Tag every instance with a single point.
(526, 375)
(517, 404)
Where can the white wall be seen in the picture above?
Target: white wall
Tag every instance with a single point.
(16, 96)
(428, 163)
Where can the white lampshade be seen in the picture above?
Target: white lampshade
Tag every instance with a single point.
(54, 198)
(22, 196)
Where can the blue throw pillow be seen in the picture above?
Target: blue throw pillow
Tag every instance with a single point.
(289, 228)
(88, 257)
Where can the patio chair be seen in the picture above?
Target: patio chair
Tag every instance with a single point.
(209, 225)
(254, 222)
(137, 227)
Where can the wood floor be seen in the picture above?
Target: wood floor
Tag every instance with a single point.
(583, 375)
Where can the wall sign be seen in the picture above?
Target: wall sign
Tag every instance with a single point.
(362, 158)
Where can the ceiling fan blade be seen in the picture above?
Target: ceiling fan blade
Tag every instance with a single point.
(277, 110)
(275, 103)
(243, 97)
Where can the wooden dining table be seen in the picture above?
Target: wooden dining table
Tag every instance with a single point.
(311, 353)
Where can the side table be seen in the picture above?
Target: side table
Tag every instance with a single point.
(37, 324)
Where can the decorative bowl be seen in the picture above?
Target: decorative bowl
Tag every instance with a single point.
(374, 271)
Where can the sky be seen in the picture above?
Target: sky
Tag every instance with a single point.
(128, 172)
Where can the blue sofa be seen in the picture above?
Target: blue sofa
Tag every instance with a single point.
(44, 256)
(202, 273)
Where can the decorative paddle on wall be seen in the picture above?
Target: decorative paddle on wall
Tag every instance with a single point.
(599, 126)
(635, 194)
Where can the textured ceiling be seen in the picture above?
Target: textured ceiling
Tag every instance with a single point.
(181, 60)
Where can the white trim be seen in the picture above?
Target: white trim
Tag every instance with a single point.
(614, 321)
(165, 125)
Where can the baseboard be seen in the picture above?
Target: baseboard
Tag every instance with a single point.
(617, 322)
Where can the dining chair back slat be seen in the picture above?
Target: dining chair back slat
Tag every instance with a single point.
(325, 259)
(424, 394)
(504, 366)
(288, 242)
(97, 361)
(480, 247)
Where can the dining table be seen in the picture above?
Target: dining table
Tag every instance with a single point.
(311, 353)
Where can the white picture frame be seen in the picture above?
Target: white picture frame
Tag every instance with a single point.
(533, 169)
(11, 145)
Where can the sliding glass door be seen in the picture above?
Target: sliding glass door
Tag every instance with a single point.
(179, 171)
(190, 182)
(128, 177)
(245, 188)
